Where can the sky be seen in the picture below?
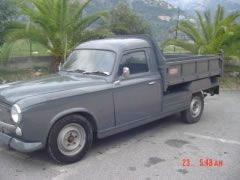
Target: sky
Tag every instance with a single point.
(184, 4)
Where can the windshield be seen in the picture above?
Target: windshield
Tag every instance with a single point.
(98, 62)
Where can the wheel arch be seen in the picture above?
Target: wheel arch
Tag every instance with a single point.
(80, 111)
(201, 93)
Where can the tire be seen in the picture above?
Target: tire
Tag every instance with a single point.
(69, 139)
(194, 112)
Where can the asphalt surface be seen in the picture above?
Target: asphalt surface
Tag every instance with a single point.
(165, 149)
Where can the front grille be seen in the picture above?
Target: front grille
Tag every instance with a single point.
(5, 116)
(3, 102)
(4, 106)
(5, 113)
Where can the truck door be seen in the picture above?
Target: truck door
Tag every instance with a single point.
(138, 96)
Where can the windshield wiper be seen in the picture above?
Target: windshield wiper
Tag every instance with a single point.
(79, 71)
(86, 72)
(74, 71)
(97, 73)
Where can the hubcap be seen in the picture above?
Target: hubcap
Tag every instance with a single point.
(71, 139)
(195, 107)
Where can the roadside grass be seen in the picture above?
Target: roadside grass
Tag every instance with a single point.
(228, 81)
(19, 75)
(22, 48)
(15, 75)
(231, 68)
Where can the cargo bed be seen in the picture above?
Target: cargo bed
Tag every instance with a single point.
(182, 68)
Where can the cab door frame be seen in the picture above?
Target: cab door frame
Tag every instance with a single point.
(139, 96)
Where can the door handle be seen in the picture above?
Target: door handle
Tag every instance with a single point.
(152, 83)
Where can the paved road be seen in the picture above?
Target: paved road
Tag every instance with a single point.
(153, 151)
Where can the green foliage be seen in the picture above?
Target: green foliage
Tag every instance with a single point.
(232, 44)
(5, 51)
(57, 25)
(23, 48)
(10, 75)
(125, 21)
(8, 12)
(149, 10)
(209, 35)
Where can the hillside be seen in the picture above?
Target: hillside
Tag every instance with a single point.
(160, 14)
(191, 5)
(163, 14)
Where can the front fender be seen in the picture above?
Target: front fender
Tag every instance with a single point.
(68, 112)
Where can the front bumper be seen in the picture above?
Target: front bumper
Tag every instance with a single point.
(16, 144)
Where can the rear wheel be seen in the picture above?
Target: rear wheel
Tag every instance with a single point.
(69, 139)
(194, 112)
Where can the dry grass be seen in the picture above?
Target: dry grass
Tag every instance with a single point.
(19, 75)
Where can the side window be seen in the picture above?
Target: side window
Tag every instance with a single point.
(136, 62)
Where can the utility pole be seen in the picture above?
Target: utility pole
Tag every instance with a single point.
(176, 35)
(30, 46)
(30, 42)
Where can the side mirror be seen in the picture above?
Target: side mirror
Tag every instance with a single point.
(126, 72)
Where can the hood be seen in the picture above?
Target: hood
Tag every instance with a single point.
(14, 92)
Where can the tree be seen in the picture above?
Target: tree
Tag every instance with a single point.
(208, 35)
(125, 21)
(58, 25)
(8, 12)
(232, 44)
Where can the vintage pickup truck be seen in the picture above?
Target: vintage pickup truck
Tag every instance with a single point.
(105, 87)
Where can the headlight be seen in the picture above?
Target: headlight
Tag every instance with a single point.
(16, 114)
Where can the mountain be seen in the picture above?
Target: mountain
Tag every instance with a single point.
(160, 14)
(163, 14)
(191, 5)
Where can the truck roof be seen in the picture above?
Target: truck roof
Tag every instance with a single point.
(115, 44)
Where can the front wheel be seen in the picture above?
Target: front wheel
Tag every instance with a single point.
(69, 139)
(194, 112)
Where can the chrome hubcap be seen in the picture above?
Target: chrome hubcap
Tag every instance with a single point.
(195, 107)
(71, 139)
